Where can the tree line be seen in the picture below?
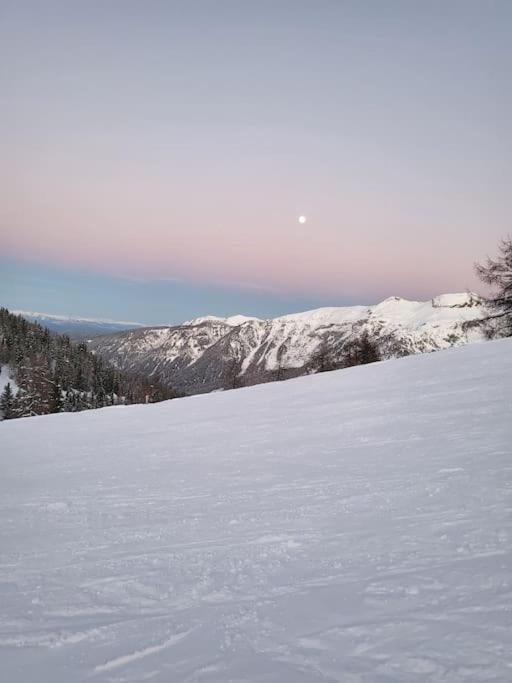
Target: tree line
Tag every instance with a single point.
(51, 374)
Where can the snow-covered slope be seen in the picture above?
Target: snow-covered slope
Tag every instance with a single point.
(77, 328)
(354, 526)
(211, 353)
(6, 378)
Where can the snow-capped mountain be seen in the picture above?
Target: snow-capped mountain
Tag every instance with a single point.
(77, 328)
(211, 353)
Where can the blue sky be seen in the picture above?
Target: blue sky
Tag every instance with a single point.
(32, 287)
(166, 149)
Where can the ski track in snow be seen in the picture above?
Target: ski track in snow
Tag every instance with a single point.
(353, 526)
(140, 654)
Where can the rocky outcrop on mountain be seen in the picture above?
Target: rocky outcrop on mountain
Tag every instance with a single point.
(212, 353)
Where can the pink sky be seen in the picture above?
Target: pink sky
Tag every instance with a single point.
(185, 144)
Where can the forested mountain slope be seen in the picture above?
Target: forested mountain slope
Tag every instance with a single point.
(47, 373)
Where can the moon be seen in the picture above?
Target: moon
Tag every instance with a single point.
(302, 219)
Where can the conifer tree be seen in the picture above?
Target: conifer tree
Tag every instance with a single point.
(498, 274)
(6, 402)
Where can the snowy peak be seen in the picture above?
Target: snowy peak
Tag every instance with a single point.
(460, 300)
(231, 321)
(201, 320)
(236, 320)
(331, 315)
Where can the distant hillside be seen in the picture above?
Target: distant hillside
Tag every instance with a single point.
(77, 328)
(43, 373)
(211, 353)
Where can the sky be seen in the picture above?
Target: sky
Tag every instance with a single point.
(156, 156)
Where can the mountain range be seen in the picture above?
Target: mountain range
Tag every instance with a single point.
(213, 353)
(77, 329)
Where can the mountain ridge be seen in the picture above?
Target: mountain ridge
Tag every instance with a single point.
(76, 327)
(74, 318)
(211, 353)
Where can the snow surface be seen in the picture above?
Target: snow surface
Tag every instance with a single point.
(409, 314)
(232, 320)
(352, 526)
(5, 378)
(460, 300)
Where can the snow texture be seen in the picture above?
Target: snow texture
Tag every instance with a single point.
(353, 526)
(232, 321)
(5, 378)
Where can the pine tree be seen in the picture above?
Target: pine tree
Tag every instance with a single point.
(55, 404)
(6, 402)
(498, 274)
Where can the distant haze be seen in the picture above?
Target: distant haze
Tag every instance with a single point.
(181, 141)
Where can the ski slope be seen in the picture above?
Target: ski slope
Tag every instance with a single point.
(351, 526)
